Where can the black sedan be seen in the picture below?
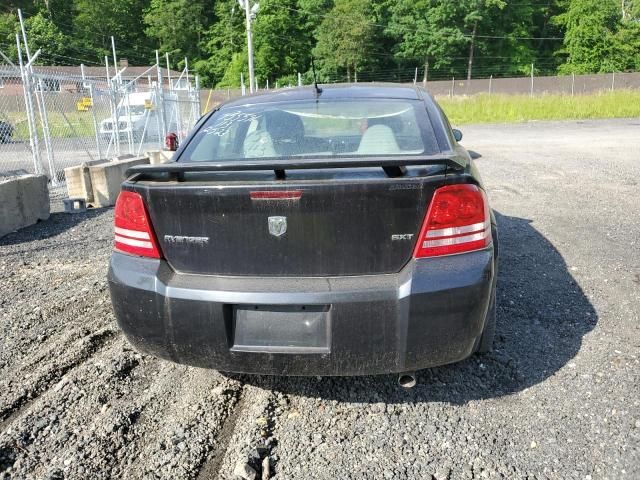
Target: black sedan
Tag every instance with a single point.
(340, 230)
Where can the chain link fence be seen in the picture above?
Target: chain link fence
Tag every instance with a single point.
(58, 117)
(15, 148)
(52, 118)
(526, 85)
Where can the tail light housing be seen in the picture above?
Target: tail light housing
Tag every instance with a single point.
(457, 221)
(133, 232)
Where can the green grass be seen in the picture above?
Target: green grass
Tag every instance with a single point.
(482, 108)
(80, 124)
(486, 108)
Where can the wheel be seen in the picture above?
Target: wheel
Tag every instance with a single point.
(485, 345)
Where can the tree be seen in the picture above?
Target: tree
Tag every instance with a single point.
(478, 16)
(345, 37)
(8, 29)
(96, 21)
(373, 39)
(178, 26)
(224, 38)
(44, 34)
(427, 31)
(596, 39)
(281, 43)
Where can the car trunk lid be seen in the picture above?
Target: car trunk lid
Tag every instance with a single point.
(357, 222)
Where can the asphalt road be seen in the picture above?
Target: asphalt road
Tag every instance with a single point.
(559, 398)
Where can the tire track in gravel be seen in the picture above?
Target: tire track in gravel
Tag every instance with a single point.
(50, 374)
(33, 318)
(210, 468)
(183, 422)
(253, 441)
(54, 424)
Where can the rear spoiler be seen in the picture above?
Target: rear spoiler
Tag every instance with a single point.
(393, 167)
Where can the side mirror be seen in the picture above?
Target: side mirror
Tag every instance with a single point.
(457, 134)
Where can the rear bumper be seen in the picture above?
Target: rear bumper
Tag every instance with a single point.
(431, 313)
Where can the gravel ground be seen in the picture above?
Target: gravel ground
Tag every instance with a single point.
(559, 398)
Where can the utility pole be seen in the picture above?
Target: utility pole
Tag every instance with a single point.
(247, 13)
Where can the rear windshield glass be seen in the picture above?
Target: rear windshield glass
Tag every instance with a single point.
(314, 129)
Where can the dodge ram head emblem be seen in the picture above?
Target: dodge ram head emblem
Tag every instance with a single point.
(277, 226)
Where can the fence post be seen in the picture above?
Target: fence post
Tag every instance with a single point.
(44, 118)
(490, 82)
(31, 118)
(453, 85)
(115, 128)
(531, 94)
(613, 81)
(299, 79)
(198, 99)
(243, 89)
(40, 101)
(130, 123)
(160, 98)
(573, 83)
(166, 56)
(93, 110)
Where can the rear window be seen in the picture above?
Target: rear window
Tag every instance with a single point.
(314, 129)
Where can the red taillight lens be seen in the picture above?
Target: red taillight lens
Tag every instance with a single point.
(133, 232)
(457, 221)
(276, 195)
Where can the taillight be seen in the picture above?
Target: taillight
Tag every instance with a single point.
(276, 195)
(133, 232)
(457, 221)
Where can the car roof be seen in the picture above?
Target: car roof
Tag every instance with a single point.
(331, 91)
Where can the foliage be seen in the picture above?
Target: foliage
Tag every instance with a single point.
(8, 29)
(224, 39)
(345, 37)
(375, 39)
(281, 43)
(45, 35)
(597, 39)
(95, 22)
(178, 26)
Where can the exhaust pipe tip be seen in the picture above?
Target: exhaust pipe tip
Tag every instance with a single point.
(407, 380)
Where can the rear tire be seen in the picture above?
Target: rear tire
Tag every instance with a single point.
(485, 345)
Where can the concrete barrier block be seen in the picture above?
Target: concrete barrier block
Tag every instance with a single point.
(23, 201)
(157, 157)
(78, 180)
(107, 177)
